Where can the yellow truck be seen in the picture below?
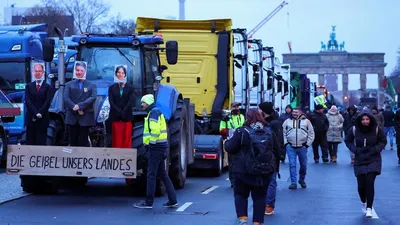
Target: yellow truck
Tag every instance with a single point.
(205, 74)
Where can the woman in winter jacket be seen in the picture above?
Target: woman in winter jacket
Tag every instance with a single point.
(244, 183)
(334, 134)
(366, 140)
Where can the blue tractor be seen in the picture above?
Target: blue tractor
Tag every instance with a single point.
(140, 53)
(20, 45)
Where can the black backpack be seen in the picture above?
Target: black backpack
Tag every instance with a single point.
(260, 158)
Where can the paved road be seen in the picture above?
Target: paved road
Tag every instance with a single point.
(331, 198)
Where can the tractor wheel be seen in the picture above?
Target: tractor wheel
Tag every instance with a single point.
(3, 150)
(178, 129)
(55, 135)
(139, 184)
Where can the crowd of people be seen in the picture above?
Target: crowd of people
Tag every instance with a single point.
(364, 131)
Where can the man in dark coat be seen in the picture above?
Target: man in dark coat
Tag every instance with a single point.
(287, 114)
(273, 121)
(320, 124)
(38, 95)
(80, 96)
(349, 122)
(388, 116)
(397, 127)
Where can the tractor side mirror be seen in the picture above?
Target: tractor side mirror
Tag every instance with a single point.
(237, 64)
(48, 49)
(279, 88)
(255, 78)
(172, 52)
(270, 83)
(163, 68)
(285, 87)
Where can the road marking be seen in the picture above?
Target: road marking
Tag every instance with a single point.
(374, 214)
(184, 206)
(227, 178)
(208, 190)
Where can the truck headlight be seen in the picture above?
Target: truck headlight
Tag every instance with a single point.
(16, 48)
(104, 111)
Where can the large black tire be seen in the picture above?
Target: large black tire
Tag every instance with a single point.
(139, 185)
(3, 150)
(55, 132)
(178, 129)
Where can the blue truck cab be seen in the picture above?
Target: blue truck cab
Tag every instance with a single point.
(19, 46)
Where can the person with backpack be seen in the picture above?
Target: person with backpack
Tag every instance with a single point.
(298, 135)
(366, 140)
(256, 149)
(273, 122)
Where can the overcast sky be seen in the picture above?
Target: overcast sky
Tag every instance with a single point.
(364, 25)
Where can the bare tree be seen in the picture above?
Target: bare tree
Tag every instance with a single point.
(88, 15)
(396, 71)
(52, 14)
(117, 25)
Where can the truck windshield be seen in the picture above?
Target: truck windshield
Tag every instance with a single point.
(13, 76)
(101, 62)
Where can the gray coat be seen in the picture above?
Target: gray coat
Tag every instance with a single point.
(336, 121)
(84, 98)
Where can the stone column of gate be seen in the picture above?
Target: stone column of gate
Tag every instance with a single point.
(345, 89)
(321, 79)
(363, 85)
(381, 96)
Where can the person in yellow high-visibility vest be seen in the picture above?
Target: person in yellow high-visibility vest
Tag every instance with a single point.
(320, 100)
(155, 139)
(229, 124)
(235, 120)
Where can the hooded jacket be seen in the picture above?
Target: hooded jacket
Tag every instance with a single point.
(367, 145)
(298, 132)
(349, 119)
(336, 120)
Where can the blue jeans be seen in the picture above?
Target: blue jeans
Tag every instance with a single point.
(271, 191)
(302, 154)
(389, 130)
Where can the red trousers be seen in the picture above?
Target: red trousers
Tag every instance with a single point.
(121, 134)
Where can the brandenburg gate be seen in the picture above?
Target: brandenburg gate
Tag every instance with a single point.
(333, 59)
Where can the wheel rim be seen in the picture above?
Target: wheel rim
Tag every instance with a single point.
(183, 146)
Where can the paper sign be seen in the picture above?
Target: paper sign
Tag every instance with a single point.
(80, 70)
(120, 73)
(37, 70)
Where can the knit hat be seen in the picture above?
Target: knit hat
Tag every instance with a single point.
(334, 108)
(235, 104)
(267, 107)
(318, 107)
(148, 99)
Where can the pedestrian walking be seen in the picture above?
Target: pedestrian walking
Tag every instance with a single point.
(397, 126)
(379, 118)
(298, 135)
(273, 122)
(250, 142)
(334, 134)
(349, 122)
(121, 97)
(287, 114)
(228, 124)
(155, 139)
(366, 141)
(320, 124)
(388, 115)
